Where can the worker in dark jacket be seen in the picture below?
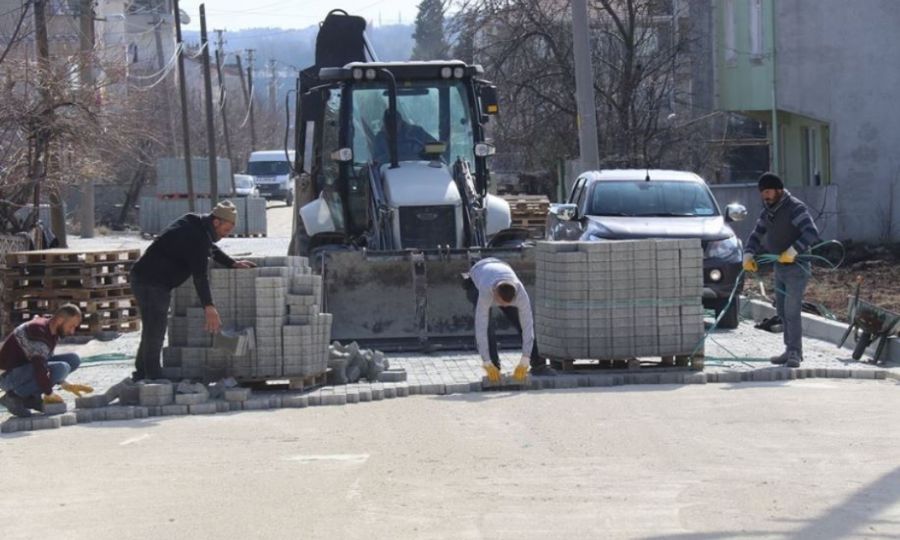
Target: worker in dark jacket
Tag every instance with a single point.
(28, 367)
(182, 250)
(784, 228)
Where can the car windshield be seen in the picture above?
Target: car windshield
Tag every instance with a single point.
(429, 111)
(656, 198)
(268, 168)
(243, 183)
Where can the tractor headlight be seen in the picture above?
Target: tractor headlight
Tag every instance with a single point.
(357, 74)
(728, 250)
(446, 72)
(458, 72)
(370, 74)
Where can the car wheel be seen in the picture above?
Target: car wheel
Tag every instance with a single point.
(731, 318)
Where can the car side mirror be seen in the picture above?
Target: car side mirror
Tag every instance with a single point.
(735, 212)
(564, 212)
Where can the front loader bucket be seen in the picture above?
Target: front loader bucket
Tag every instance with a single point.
(411, 300)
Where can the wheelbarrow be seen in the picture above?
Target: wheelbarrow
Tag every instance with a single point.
(869, 323)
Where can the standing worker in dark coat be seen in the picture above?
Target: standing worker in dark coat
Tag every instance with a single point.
(786, 228)
(182, 250)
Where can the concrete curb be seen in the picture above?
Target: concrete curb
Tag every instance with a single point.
(825, 329)
(358, 393)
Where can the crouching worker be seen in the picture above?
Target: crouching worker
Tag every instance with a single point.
(492, 282)
(28, 367)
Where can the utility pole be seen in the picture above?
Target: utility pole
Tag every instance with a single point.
(86, 20)
(588, 143)
(223, 101)
(273, 77)
(250, 102)
(161, 64)
(39, 159)
(182, 89)
(210, 118)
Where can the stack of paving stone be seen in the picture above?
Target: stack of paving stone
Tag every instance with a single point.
(171, 199)
(619, 299)
(279, 300)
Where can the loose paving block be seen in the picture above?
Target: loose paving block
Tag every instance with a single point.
(392, 375)
(389, 391)
(141, 412)
(54, 408)
(334, 399)
(256, 404)
(402, 390)
(157, 401)
(695, 378)
(46, 422)
(203, 408)
(457, 388)
(275, 401)
(838, 373)
(119, 413)
(174, 410)
(295, 401)
(191, 399)
(91, 402)
(68, 419)
(154, 411)
(84, 416)
(862, 373)
(221, 405)
(237, 394)
(15, 424)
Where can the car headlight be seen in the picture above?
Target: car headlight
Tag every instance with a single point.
(728, 250)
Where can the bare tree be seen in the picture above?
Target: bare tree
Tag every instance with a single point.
(640, 57)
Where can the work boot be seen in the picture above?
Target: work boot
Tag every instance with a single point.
(794, 359)
(14, 405)
(780, 360)
(543, 371)
(34, 402)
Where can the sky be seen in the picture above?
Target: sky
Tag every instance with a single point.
(235, 14)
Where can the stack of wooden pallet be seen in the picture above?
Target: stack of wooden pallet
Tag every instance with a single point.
(38, 282)
(529, 212)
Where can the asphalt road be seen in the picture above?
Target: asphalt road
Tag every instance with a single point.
(811, 459)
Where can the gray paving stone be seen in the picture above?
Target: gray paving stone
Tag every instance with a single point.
(237, 394)
(15, 424)
(695, 378)
(191, 399)
(154, 410)
(55, 408)
(99, 415)
(457, 388)
(174, 410)
(91, 402)
(141, 412)
(671, 378)
(46, 422)
(68, 419)
(84, 416)
(295, 401)
(275, 401)
(116, 412)
(334, 399)
(235, 405)
(838, 373)
(862, 373)
(393, 375)
(203, 408)
(256, 404)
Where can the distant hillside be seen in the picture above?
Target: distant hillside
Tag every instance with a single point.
(297, 47)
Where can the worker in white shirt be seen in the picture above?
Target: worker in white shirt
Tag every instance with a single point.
(492, 282)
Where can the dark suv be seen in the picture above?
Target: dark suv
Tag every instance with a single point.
(622, 204)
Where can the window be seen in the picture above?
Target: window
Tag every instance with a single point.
(432, 111)
(756, 28)
(658, 198)
(576, 190)
(811, 155)
(728, 19)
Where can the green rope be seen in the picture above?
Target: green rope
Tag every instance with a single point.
(769, 258)
(107, 357)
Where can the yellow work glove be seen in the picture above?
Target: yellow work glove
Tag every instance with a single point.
(750, 264)
(493, 373)
(788, 256)
(52, 398)
(76, 389)
(521, 370)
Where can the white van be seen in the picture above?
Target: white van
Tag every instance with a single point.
(271, 171)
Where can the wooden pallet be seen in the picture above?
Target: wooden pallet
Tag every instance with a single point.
(573, 365)
(18, 283)
(50, 305)
(38, 271)
(70, 257)
(293, 383)
(70, 294)
(131, 324)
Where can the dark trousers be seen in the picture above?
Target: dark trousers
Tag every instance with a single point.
(512, 315)
(153, 307)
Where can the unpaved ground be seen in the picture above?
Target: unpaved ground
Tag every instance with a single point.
(813, 459)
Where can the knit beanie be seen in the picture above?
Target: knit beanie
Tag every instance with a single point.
(770, 180)
(225, 211)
